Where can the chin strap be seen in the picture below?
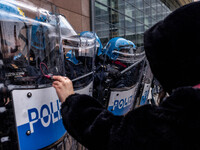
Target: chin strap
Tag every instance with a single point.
(197, 86)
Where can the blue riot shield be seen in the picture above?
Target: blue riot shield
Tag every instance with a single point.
(124, 96)
(32, 49)
(118, 77)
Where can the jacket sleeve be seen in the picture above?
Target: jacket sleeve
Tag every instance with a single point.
(87, 121)
(145, 127)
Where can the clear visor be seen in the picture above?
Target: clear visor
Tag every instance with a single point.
(79, 59)
(83, 46)
(124, 55)
(66, 28)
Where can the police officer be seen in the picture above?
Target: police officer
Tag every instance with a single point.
(79, 54)
(119, 55)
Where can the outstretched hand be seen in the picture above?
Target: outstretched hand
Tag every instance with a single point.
(63, 86)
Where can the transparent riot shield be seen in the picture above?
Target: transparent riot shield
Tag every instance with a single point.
(122, 90)
(30, 53)
(151, 90)
(146, 86)
(123, 93)
(79, 61)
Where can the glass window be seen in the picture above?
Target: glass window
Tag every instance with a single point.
(147, 1)
(139, 16)
(131, 2)
(153, 5)
(139, 27)
(130, 36)
(153, 13)
(130, 24)
(114, 31)
(153, 21)
(121, 32)
(139, 39)
(153, 2)
(147, 10)
(148, 20)
(117, 19)
(105, 2)
(139, 4)
(128, 18)
(146, 28)
(118, 5)
(102, 30)
(129, 10)
(159, 8)
(159, 17)
(101, 12)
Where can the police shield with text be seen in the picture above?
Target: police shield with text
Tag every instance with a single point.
(122, 68)
(31, 51)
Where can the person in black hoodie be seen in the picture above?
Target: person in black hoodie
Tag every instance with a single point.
(172, 49)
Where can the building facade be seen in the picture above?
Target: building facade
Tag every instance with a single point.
(77, 13)
(112, 18)
(130, 18)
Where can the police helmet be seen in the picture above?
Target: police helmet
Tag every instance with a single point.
(120, 49)
(100, 50)
(132, 44)
(70, 56)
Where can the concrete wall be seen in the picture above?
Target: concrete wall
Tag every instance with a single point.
(77, 13)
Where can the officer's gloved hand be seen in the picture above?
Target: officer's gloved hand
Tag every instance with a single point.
(113, 72)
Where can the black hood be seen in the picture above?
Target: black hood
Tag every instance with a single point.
(172, 48)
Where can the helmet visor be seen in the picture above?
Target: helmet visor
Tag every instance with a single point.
(79, 52)
(124, 55)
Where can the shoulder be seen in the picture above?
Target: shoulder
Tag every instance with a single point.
(183, 96)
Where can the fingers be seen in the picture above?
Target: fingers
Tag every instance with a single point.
(56, 82)
(60, 78)
(62, 82)
(6, 100)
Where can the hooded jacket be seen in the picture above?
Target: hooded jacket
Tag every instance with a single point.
(174, 125)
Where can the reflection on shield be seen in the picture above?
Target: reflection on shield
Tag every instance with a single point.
(79, 55)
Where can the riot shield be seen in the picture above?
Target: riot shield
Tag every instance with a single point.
(123, 91)
(79, 53)
(151, 90)
(117, 79)
(30, 53)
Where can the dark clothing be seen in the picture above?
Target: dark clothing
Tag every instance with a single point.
(108, 77)
(74, 71)
(174, 125)
(172, 49)
(172, 62)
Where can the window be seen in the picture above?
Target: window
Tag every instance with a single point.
(127, 18)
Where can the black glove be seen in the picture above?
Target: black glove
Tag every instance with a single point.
(113, 72)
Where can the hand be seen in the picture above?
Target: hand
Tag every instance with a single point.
(114, 73)
(63, 86)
